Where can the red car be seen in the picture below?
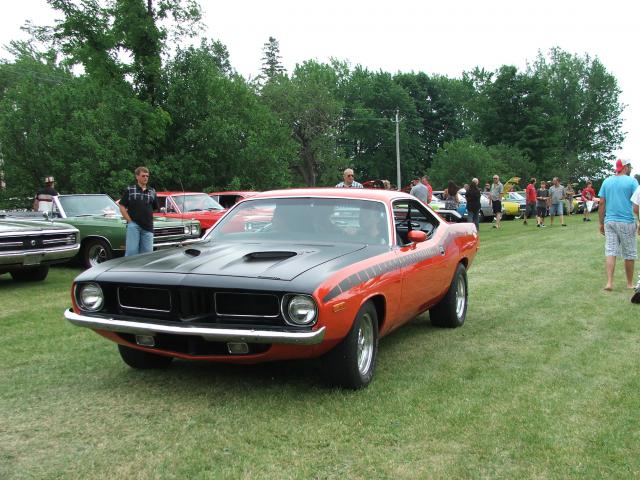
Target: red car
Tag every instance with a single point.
(331, 272)
(190, 205)
(230, 198)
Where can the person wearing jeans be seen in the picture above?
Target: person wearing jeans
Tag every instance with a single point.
(137, 204)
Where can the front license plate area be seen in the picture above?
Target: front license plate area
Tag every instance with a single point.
(32, 259)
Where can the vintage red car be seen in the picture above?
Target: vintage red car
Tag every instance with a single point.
(330, 273)
(190, 205)
(229, 198)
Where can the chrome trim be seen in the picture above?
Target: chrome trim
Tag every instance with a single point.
(211, 334)
(215, 301)
(15, 257)
(175, 243)
(37, 233)
(145, 309)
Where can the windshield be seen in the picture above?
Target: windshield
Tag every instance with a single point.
(195, 203)
(309, 220)
(515, 196)
(79, 205)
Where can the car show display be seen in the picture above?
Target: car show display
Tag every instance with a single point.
(190, 206)
(290, 274)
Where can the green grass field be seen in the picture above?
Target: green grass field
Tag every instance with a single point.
(541, 382)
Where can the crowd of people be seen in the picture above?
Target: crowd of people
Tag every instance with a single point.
(618, 212)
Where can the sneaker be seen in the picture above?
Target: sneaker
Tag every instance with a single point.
(543, 225)
(584, 219)
(564, 224)
(524, 223)
(588, 219)
(538, 225)
(636, 295)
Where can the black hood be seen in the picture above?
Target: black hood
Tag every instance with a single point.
(270, 261)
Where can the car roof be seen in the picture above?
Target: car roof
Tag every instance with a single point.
(246, 193)
(353, 193)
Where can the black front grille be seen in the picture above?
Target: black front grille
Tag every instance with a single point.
(161, 232)
(143, 298)
(36, 242)
(247, 304)
(195, 305)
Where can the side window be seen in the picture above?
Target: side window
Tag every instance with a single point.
(162, 202)
(412, 215)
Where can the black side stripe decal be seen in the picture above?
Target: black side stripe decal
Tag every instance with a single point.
(385, 267)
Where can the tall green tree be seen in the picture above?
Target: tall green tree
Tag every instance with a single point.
(271, 59)
(308, 105)
(221, 135)
(587, 99)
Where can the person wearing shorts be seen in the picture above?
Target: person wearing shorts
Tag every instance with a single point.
(495, 194)
(557, 194)
(542, 200)
(617, 222)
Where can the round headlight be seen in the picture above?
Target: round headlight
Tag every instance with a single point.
(195, 229)
(91, 297)
(187, 230)
(301, 310)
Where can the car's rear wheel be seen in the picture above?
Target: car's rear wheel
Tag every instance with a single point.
(36, 274)
(351, 364)
(94, 252)
(451, 311)
(143, 360)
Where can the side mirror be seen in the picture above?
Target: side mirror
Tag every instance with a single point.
(416, 236)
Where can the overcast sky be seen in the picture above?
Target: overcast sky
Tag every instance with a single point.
(417, 35)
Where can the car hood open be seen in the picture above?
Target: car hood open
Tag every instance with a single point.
(274, 261)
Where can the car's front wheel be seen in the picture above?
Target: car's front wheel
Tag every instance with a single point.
(94, 252)
(451, 311)
(352, 362)
(143, 360)
(36, 274)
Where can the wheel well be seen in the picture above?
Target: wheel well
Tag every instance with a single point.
(95, 237)
(380, 303)
(464, 261)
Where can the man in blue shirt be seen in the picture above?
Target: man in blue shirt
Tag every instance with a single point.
(617, 222)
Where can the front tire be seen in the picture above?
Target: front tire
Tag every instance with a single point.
(94, 252)
(352, 362)
(36, 274)
(451, 311)
(142, 360)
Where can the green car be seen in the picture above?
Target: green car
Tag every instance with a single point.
(103, 230)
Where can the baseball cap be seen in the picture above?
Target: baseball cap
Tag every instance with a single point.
(620, 164)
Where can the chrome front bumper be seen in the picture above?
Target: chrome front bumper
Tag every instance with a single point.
(38, 257)
(211, 334)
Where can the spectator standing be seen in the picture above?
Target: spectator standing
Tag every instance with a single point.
(569, 192)
(587, 196)
(419, 190)
(617, 221)
(495, 195)
(137, 204)
(43, 201)
(473, 203)
(557, 194)
(386, 184)
(425, 181)
(635, 199)
(530, 200)
(450, 195)
(542, 202)
(487, 187)
(348, 180)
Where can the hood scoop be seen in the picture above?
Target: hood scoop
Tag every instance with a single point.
(269, 255)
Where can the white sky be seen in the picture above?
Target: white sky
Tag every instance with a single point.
(444, 37)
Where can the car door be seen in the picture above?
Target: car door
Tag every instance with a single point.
(424, 265)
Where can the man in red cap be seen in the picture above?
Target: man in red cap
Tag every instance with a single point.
(617, 221)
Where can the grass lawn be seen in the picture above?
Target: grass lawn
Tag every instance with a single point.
(541, 382)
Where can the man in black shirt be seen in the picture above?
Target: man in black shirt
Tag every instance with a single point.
(137, 204)
(44, 197)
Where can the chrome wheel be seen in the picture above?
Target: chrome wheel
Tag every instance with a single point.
(461, 296)
(365, 344)
(95, 251)
(97, 255)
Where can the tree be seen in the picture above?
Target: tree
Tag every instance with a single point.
(221, 134)
(271, 64)
(307, 104)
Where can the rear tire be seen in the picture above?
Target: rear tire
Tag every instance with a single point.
(36, 274)
(139, 359)
(352, 362)
(451, 311)
(94, 252)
